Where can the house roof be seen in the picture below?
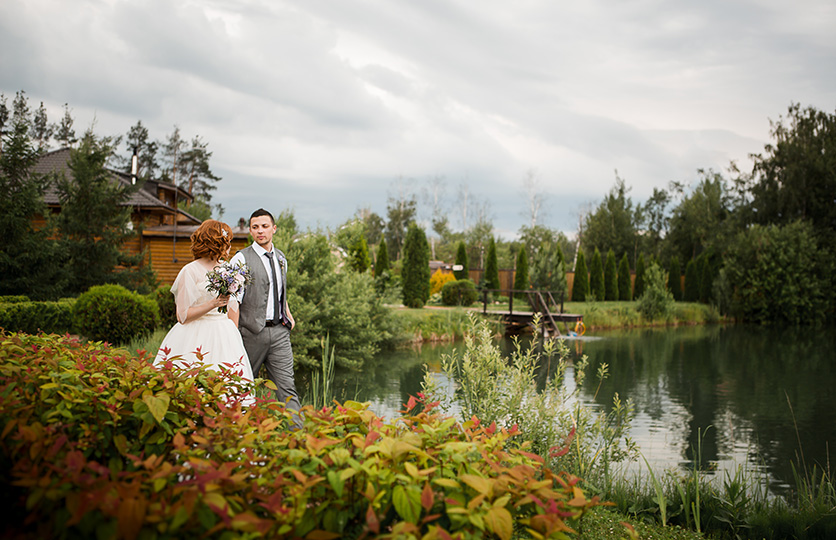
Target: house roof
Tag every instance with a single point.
(57, 162)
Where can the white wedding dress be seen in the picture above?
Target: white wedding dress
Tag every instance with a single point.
(214, 335)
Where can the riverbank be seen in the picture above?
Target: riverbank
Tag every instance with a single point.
(441, 323)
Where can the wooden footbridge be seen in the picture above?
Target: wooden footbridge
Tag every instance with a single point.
(542, 302)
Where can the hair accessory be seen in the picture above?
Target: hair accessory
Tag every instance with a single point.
(223, 232)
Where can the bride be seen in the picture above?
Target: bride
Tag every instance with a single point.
(203, 335)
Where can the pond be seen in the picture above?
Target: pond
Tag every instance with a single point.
(756, 396)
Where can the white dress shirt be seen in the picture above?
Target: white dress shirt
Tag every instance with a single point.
(261, 252)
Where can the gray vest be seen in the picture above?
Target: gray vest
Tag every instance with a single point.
(253, 310)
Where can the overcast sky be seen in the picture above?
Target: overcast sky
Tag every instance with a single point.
(322, 105)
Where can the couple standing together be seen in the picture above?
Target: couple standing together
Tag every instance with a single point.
(256, 329)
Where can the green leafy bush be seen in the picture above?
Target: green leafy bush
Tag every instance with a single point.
(461, 292)
(13, 299)
(34, 317)
(166, 305)
(113, 313)
(656, 301)
(114, 447)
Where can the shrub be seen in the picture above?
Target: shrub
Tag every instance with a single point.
(114, 447)
(113, 313)
(34, 317)
(580, 287)
(461, 292)
(656, 301)
(381, 265)
(439, 279)
(13, 299)
(166, 305)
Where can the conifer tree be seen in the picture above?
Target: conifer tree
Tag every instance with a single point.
(580, 288)
(29, 264)
(610, 278)
(416, 268)
(625, 285)
(692, 282)
(675, 279)
(94, 222)
(381, 265)
(461, 260)
(638, 290)
(706, 279)
(521, 273)
(596, 277)
(359, 256)
(492, 267)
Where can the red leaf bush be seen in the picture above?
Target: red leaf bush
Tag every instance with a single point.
(98, 443)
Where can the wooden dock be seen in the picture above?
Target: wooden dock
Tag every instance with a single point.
(544, 303)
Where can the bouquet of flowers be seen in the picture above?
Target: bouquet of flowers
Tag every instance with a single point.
(227, 278)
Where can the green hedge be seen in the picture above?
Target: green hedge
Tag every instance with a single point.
(113, 313)
(461, 292)
(113, 447)
(14, 299)
(34, 317)
(166, 305)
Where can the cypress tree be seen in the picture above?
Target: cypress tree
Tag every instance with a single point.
(610, 278)
(692, 282)
(638, 290)
(492, 267)
(706, 279)
(625, 286)
(521, 273)
(382, 263)
(674, 279)
(580, 287)
(596, 277)
(461, 259)
(416, 268)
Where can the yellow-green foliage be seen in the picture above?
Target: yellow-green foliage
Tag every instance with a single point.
(438, 280)
(98, 443)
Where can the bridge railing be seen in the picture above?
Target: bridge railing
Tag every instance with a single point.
(537, 299)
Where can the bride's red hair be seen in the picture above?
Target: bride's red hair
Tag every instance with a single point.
(212, 239)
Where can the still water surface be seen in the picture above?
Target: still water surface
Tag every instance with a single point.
(759, 396)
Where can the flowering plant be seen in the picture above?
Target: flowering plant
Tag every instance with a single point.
(227, 278)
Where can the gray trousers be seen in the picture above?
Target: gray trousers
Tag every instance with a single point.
(271, 348)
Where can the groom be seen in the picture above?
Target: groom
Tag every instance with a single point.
(265, 320)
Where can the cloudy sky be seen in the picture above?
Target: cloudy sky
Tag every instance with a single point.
(329, 106)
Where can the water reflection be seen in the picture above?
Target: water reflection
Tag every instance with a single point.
(738, 391)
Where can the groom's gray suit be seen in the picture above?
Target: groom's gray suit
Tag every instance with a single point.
(268, 343)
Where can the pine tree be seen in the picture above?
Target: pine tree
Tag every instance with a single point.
(675, 279)
(64, 132)
(596, 277)
(638, 290)
(692, 282)
(580, 288)
(625, 285)
(416, 268)
(492, 267)
(94, 221)
(381, 265)
(461, 260)
(521, 273)
(29, 263)
(610, 278)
